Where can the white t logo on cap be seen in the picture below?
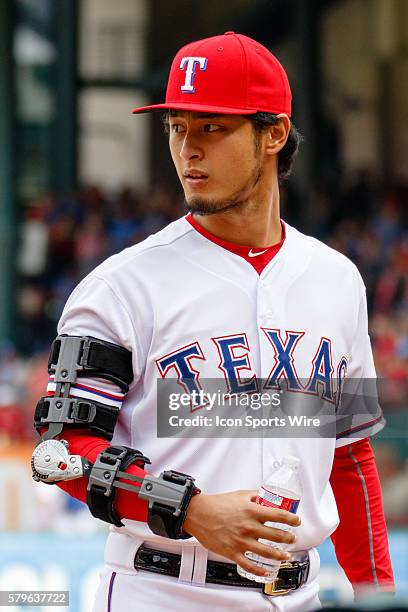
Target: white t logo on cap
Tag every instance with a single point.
(191, 63)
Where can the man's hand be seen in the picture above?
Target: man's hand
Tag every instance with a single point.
(229, 524)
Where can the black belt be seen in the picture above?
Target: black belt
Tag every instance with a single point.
(291, 575)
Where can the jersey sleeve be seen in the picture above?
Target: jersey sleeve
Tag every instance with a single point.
(360, 540)
(94, 309)
(359, 413)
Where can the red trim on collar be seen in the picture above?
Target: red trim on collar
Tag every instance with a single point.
(257, 257)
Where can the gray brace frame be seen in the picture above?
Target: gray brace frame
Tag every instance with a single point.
(154, 489)
(66, 374)
(71, 361)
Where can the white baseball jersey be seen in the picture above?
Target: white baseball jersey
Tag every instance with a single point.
(183, 304)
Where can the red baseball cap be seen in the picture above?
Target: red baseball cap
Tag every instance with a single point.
(228, 74)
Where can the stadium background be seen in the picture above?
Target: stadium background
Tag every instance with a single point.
(80, 179)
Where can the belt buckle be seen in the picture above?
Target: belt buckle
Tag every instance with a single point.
(270, 588)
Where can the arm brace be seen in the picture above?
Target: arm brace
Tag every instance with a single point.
(360, 540)
(168, 495)
(82, 442)
(72, 357)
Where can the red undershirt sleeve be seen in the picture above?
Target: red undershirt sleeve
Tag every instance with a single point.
(82, 442)
(360, 540)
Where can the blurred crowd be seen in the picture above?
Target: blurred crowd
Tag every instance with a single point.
(63, 238)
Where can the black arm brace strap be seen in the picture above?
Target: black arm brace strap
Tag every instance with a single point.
(101, 490)
(76, 412)
(168, 495)
(72, 357)
(91, 357)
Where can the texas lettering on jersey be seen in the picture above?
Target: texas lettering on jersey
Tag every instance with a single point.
(234, 362)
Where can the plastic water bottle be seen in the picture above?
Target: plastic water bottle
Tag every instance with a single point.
(281, 490)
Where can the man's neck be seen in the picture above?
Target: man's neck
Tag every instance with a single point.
(250, 226)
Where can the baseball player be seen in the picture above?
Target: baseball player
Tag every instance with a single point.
(229, 292)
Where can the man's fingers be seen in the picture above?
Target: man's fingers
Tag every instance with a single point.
(274, 515)
(270, 552)
(245, 563)
(275, 535)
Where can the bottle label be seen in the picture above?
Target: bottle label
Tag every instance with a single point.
(273, 500)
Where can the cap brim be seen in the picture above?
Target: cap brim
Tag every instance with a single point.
(197, 108)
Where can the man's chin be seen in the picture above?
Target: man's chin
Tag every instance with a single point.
(206, 206)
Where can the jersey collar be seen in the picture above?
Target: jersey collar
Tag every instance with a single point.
(257, 257)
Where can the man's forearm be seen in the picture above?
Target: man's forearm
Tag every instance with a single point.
(85, 443)
(360, 540)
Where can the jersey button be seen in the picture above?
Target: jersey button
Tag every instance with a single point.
(267, 316)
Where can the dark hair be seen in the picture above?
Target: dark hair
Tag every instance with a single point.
(260, 122)
(287, 154)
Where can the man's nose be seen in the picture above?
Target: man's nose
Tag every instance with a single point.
(190, 148)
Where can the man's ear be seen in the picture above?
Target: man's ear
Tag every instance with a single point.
(277, 135)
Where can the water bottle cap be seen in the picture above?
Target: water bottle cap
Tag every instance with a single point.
(291, 461)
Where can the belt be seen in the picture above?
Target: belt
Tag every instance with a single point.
(291, 575)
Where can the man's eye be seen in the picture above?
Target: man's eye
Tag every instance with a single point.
(176, 127)
(211, 127)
